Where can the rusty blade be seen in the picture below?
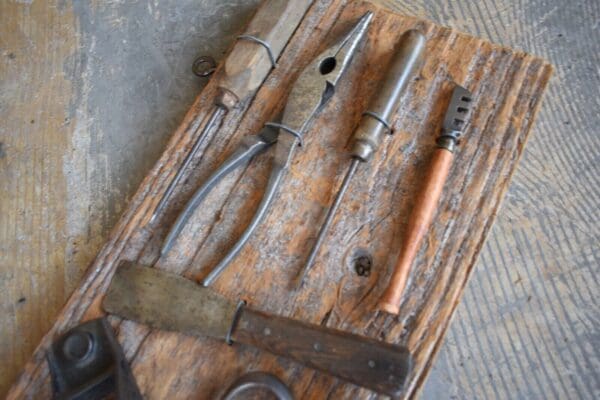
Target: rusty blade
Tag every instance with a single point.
(167, 301)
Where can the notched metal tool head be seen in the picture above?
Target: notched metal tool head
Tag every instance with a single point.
(316, 84)
(458, 110)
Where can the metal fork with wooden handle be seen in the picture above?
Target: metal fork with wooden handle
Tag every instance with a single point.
(171, 302)
(427, 200)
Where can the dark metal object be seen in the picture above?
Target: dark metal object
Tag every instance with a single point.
(87, 363)
(204, 66)
(171, 302)
(250, 147)
(375, 123)
(455, 119)
(258, 380)
(311, 91)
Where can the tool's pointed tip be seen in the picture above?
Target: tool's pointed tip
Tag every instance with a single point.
(362, 24)
(299, 281)
(366, 17)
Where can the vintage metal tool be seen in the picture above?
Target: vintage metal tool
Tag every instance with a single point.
(375, 122)
(247, 66)
(255, 381)
(427, 200)
(171, 302)
(251, 146)
(87, 362)
(311, 91)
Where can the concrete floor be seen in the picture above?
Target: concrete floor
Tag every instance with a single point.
(91, 91)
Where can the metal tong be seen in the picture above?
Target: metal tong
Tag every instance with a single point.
(311, 92)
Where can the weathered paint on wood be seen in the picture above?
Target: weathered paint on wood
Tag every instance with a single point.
(507, 87)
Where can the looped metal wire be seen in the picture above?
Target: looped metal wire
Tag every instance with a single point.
(204, 66)
(378, 118)
(286, 128)
(264, 44)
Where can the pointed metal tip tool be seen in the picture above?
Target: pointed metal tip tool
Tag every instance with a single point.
(375, 123)
(340, 54)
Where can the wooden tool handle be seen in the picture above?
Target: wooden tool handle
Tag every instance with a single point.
(418, 224)
(249, 62)
(376, 365)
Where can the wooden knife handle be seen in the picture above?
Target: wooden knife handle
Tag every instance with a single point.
(418, 224)
(249, 62)
(373, 364)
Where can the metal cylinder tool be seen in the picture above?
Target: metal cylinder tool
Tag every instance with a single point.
(251, 59)
(375, 122)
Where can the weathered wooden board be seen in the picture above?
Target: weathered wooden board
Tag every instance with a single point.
(507, 86)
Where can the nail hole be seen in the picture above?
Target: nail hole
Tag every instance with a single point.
(461, 110)
(466, 99)
(362, 265)
(327, 65)
(458, 123)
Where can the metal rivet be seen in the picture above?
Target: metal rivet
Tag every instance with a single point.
(317, 346)
(78, 346)
(267, 331)
(371, 364)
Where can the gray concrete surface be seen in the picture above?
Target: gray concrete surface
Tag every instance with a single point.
(529, 324)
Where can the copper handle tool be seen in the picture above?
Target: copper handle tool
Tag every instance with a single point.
(428, 198)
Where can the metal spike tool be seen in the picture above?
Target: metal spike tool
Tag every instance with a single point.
(251, 59)
(428, 199)
(375, 122)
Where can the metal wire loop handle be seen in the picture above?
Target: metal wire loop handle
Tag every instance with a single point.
(378, 118)
(289, 130)
(264, 44)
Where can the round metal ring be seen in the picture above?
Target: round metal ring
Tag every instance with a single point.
(258, 380)
(204, 66)
(379, 119)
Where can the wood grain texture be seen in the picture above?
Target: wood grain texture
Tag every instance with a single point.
(527, 324)
(507, 87)
(36, 123)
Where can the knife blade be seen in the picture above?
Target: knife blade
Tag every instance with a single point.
(170, 302)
